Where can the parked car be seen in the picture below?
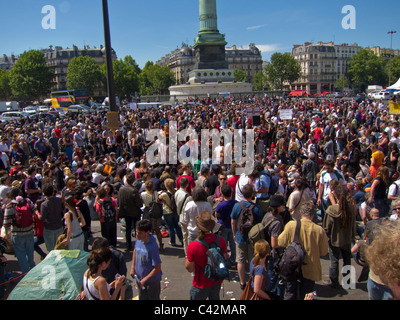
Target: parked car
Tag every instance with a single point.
(30, 109)
(43, 108)
(372, 93)
(43, 115)
(382, 95)
(13, 115)
(79, 109)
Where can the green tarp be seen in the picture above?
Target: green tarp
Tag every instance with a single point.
(58, 277)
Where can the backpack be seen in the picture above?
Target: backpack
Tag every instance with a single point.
(172, 205)
(289, 264)
(155, 209)
(108, 210)
(258, 231)
(246, 219)
(23, 214)
(274, 185)
(216, 267)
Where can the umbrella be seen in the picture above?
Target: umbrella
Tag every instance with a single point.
(58, 277)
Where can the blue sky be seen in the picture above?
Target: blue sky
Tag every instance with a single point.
(148, 30)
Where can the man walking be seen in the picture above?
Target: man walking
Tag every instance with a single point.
(314, 242)
(51, 213)
(244, 250)
(130, 204)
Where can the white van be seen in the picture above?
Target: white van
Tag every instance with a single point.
(149, 105)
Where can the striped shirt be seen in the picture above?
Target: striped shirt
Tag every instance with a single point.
(9, 218)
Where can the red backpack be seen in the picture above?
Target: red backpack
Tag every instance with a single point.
(23, 214)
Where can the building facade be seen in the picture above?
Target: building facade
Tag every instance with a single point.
(59, 58)
(7, 62)
(384, 52)
(182, 60)
(322, 65)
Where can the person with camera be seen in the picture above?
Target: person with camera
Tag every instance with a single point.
(94, 284)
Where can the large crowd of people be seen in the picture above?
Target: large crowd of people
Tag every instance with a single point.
(334, 166)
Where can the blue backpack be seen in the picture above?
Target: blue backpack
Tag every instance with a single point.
(216, 267)
(274, 185)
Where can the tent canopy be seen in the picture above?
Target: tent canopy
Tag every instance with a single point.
(395, 86)
(58, 277)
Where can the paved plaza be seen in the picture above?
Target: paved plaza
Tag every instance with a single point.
(176, 281)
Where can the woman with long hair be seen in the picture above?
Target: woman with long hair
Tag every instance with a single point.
(340, 226)
(74, 221)
(258, 268)
(379, 187)
(94, 284)
(193, 209)
(148, 196)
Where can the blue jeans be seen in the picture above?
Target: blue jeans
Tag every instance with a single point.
(212, 293)
(24, 248)
(37, 242)
(227, 234)
(378, 292)
(172, 222)
(50, 237)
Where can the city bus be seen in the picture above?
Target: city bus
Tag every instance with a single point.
(65, 98)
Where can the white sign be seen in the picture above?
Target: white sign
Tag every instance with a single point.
(132, 105)
(286, 114)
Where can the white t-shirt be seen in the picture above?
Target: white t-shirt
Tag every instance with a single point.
(326, 177)
(394, 189)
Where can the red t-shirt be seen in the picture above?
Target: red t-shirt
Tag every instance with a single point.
(196, 252)
(232, 182)
(58, 132)
(99, 209)
(190, 186)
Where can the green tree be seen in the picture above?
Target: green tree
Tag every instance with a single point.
(155, 79)
(366, 68)
(283, 68)
(259, 81)
(30, 78)
(395, 69)
(343, 80)
(84, 73)
(5, 89)
(240, 75)
(126, 76)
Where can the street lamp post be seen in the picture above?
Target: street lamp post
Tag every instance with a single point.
(112, 115)
(391, 32)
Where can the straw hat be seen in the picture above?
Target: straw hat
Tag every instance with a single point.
(205, 222)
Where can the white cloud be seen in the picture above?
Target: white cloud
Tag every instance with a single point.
(268, 47)
(256, 27)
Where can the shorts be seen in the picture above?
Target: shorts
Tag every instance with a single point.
(244, 252)
(155, 225)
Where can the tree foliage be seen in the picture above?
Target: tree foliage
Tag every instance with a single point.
(30, 78)
(240, 75)
(84, 72)
(155, 79)
(283, 68)
(126, 76)
(5, 88)
(260, 81)
(366, 68)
